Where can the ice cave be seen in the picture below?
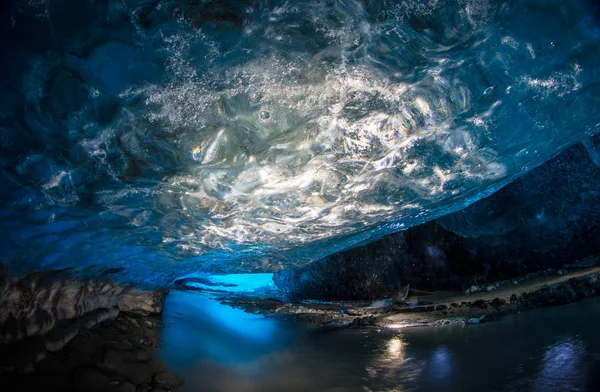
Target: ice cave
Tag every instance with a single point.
(308, 195)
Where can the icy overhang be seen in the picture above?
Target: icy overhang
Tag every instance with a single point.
(156, 139)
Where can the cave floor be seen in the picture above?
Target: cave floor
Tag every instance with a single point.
(482, 303)
(222, 342)
(117, 355)
(216, 348)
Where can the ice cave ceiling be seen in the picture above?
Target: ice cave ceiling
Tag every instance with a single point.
(162, 137)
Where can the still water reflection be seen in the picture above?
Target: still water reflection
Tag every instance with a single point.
(216, 348)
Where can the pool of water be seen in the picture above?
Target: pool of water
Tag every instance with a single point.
(217, 348)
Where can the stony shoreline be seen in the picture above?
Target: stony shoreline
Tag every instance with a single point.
(473, 306)
(116, 355)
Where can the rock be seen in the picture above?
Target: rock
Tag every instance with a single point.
(490, 288)
(53, 364)
(380, 303)
(156, 366)
(367, 320)
(498, 302)
(128, 356)
(118, 346)
(144, 387)
(54, 372)
(166, 379)
(90, 379)
(480, 304)
(143, 354)
(153, 324)
(395, 264)
(561, 293)
(476, 320)
(99, 359)
(112, 360)
(137, 373)
(125, 387)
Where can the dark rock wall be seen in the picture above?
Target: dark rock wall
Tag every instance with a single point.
(118, 356)
(426, 257)
(41, 312)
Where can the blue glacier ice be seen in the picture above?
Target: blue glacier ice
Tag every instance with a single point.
(150, 139)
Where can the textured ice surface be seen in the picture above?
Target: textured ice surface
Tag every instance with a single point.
(543, 220)
(168, 136)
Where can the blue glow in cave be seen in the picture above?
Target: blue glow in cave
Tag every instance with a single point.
(234, 283)
(212, 147)
(198, 327)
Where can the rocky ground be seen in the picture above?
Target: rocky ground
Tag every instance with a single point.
(116, 355)
(482, 303)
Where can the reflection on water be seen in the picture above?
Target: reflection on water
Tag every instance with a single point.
(440, 364)
(562, 366)
(200, 329)
(216, 348)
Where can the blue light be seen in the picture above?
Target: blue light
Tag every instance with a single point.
(244, 282)
(561, 367)
(440, 364)
(235, 283)
(198, 327)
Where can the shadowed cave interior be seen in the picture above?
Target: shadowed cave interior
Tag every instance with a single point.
(261, 195)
